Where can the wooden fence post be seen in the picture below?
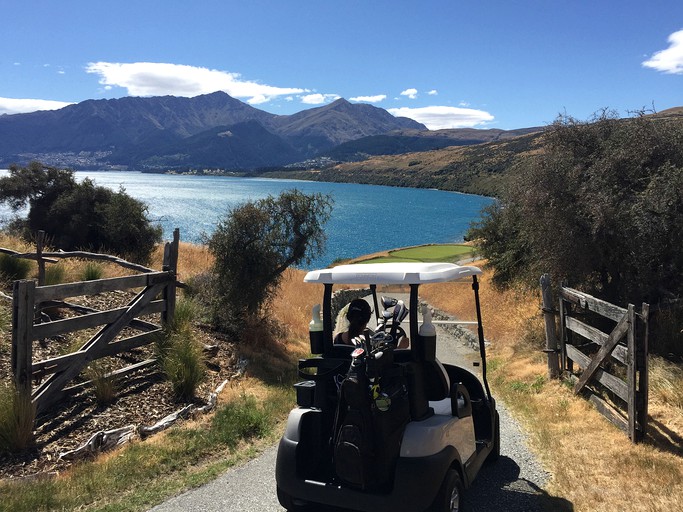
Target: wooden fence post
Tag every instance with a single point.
(643, 368)
(631, 373)
(550, 332)
(40, 243)
(22, 325)
(170, 265)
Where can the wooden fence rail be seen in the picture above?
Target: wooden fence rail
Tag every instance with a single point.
(613, 363)
(157, 296)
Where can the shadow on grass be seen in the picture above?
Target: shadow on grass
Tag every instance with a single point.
(664, 438)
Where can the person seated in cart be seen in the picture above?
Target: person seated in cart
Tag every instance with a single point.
(356, 316)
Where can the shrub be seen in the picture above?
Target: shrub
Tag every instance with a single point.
(54, 274)
(256, 243)
(13, 269)
(79, 215)
(598, 207)
(17, 416)
(92, 271)
(183, 363)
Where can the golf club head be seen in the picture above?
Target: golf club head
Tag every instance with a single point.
(388, 302)
(400, 312)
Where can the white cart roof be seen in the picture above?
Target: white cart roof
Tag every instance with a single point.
(391, 273)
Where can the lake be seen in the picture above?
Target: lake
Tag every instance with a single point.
(365, 218)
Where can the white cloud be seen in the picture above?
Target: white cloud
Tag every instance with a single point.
(370, 99)
(21, 106)
(463, 104)
(318, 99)
(411, 93)
(159, 79)
(437, 118)
(433, 92)
(669, 60)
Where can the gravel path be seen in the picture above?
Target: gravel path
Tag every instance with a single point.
(513, 484)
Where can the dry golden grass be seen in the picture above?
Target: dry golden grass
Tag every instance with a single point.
(593, 464)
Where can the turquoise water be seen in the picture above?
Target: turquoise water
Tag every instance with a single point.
(365, 219)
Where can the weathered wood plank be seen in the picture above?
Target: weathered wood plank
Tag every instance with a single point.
(60, 363)
(22, 325)
(550, 331)
(89, 320)
(643, 370)
(609, 412)
(631, 376)
(614, 337)
(101, 257)
(61, 291)
(614, 384)
(116, 374)
(596, 336)
(141, 325)
(592, 303)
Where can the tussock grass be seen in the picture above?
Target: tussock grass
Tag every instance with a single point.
(183, 363)
(55, 274)
(593, 464)
(92, 271)
(12, 268)
(103, 383)
(17, 415)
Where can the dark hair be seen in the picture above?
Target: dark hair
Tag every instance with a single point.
(359, 310)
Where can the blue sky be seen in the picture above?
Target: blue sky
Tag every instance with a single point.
(447, 63)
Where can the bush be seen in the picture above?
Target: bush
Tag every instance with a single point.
(14, 269)
(598, 207)
(17, 416)
(92, 271)
(183, 363)
(256, 243)
(79, 215)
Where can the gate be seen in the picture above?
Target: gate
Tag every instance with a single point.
(613, 363)
(54, 374)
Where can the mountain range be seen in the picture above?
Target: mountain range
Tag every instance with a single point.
(214, 131)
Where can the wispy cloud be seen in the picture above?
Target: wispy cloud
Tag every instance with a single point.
(370, 99)
(21, 106)
(318, 99)
(410, 93)
(433, 92)
(669, 60)
(158, 79)
(438, 117)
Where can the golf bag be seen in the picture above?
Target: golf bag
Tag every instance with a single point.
(371, 415)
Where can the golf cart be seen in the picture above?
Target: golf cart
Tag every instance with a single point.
(378, 428)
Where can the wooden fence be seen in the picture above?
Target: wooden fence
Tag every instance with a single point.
(54, 374)
(613, 364)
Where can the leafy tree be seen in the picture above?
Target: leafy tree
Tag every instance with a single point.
(79, 215)
(256, 242)
(601, 207)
